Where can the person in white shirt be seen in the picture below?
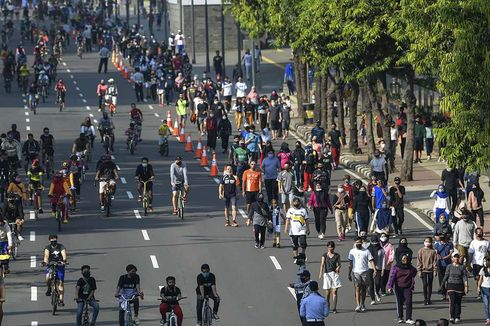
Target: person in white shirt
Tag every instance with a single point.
(478, 250)
(227, 92)
(393, 138)
(360, 260)
(179, 41)
(240, 88)
(297, 226)
(171, 42)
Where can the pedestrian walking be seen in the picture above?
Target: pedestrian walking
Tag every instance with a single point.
(320, 203)
(335, 143)
(271, 166)
(360, 259)
(378, 166)
(419, 139)
(402, 282)
(330, 273)
(297, 226)
(278, 219)
(476, 197)
(361, 209)
(441, 204)
(211, 132)
(340, 204)
(464, 230)
(402, 249)
(104, 54)
(314, 308)
(138, 80)
(456, 284)
(218, 64)
(429, 139)
(397, 193)
(479, 249)
(228, 190)
(444, 249)
(387, 246)
(483, 287)
(451, 179)
(260, 215)
(286, 182)
(378, 254)
(224, 132)
(427, 268)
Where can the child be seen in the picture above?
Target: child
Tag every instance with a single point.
(131, 133)
(278, 217)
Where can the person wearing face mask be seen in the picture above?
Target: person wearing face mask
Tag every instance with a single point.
(260, 215)
(286, 183)
(297, 157)
(85, 293)
(170, 296)
(341, 202)
(427, 267)
(178, 180)
(252, 184)
(444, 249)
(46, 141)
(321, 177)
(55, 253)
(249, 109)
(310, 160)
(382, 220)
(402, 249)
(476, 197)
(379, 195)
(442, 226)
(378, 166)
(483, 287)
(361, 209)
(212, 131)
(320, 202)
(144, 173)
(128, 286)
(441, 204)
(360, 260)
(402, 282)
(330, 273)
(206, 287)
(228, 190)
(464, 230)
(240, 158)
(301, 286)
(451, 179)
(297, 226)
(378, 254)
(397, 192)
(456, 284)
(224, 132)
(389, 258)
(16, 186)
(271, 166)
(479, 249)
(349, 190)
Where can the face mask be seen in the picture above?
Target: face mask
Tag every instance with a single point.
(297, 205)
(144, 165)
(427, 244)
(403, 244)
(298, 146)
(54, 242)
(383, 239)
(205, 274)
(260, 198)
(18, 180)
(479, 235)
(397, 182)
(86, 274)
(242, 145)
(441, 189)
(377, 156)
(359, 245)
(179, 163)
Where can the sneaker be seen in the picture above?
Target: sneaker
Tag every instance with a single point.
(102, 208)
(140, 198)
(363, 308)
(215, 316)
(256, 246)
(334, 311)
(234, 224)
(400, 321)
(429, 302)
(61, 304)
(373, 302)
(410, 321)
(41, 211)
(262, 247)
(378, 298)
(136, 320)
(457, 320)
(21, 238)
(65, 221)
(321, 236)
(274, 245)
(451, 320)
(358, 309)
(48, 292)
(150, 208)
(383, 294)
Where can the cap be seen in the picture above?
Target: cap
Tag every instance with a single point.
(455, 254)
(178, 158)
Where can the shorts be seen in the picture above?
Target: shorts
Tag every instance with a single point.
(251, 196)
(361, 279)
(298, 241)
(4, 246)
(183, 117)
(35, 184)
(230, 201)
(60, 272)
(178, 187)
(275, 125)
(285, 198)
(331, 280)
(102, 185)
(419, 144)
(476, 271)
(201, 120)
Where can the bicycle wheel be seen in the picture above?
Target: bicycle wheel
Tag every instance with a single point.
(128, 318)
(58, 217)
(180, 207)
(54, 300)
(15, 249)
(208, 316)
(131, 147)
(108, 205)
(145, 205)
(172, 321)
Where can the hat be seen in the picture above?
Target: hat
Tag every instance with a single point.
(455, 254)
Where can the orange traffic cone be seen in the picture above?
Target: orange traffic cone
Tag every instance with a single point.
(169, 119)
(182, 135)
(204, 158)
(199, 149)
(214, 167)
(176, 128)
(188, 144)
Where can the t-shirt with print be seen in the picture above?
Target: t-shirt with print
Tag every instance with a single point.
(229, 183)
(251, 180)
(297, 218)
(125, 282)
(360, 259)
(479, 249)
(86, 285)
(55, 252)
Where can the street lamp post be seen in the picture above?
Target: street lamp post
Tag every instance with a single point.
(193, 32)
(223, 39)
(138, 12)
(206, 27)
(127, 12)
(181, 18)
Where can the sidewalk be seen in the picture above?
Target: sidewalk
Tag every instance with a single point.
(427, 176)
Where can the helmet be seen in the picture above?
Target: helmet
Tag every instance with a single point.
(102, 82)
(178, 158)
(57, 177)
(42, 72)
(35, 162)
(46, 130)
(74, 157)
(110, 80)
(131, 124)
(65, 164)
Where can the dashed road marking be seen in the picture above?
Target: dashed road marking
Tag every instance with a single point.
(78, 88)
(71, 76)
(64, 63)
(95, 121)
(118, 168)
(113, 157)
(137, 213)
(34, 322)
(123, 180)
(26, 107)
(275, 262)
(91, 115)
(32, 236)
(33, 261)
(28, 120)
(154, 261)
(84, 100)
(88, 108)
(33, 293)
(216, 180)
(150, 106)
(75, 82)
(145, 235)
(291, 290)
(68, 70)
(32, 216)
(28, 128)
(206, 168)
(81, 95)
(130, 195)
(26, 113)
(156, 115)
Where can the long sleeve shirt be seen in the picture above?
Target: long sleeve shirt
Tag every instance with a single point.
(427, 260)
(314, 306)
(463, 233)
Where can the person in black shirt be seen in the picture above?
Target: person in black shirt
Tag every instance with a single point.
(144, 172)
(297, 158)
(397, 192)
(129, 286)
(85, 292)
(55, 253)
(452, 181)
(14, 133)
(335, 144)
(218, 64)
(171, 295)
(47, 146)
(206, 287)
(228, 189)
(107, 174)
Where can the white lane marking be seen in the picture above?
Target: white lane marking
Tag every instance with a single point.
(113, 157)
(34, 322)
(156, 115)
(32, 216)
(25, 107)
(33, 293)
(118, 168)
(95, 121)
(123, 180)
(275, 262)
(91, 115)
(25, 101)
(75, 82)
(151, 107)
(291, 290)
(88, 108)
(419, 218)
(81, 95)
(145, 235)
(78, 88)
(242, 213)
(33, 261)
(28, 120)
(32, 236)
(28, 128)
(26, 113)
(64, 63)
(137, 213)
(68, 70)
(216, 180)
(130, 195)
(71, 76)
(84, 100)
(154, 261)
(206, 168)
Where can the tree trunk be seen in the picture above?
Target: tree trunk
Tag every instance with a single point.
(299, 95)
(369, 131)
(323, 102)
(317, 113)
(352, 103)
(303, 77)
(339, 95)
(384, 112)
(406, 172)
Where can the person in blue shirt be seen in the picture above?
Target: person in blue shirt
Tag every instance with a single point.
(314, 307)
(271, 166)
(444, 250)
(252, 142)
(319, 132)
(379, 194)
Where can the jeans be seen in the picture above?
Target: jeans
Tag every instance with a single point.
(455, 304)
(427, 279)
(485, 295)
(440, 274)
(429, 145)
(200, 305)
(80, 306)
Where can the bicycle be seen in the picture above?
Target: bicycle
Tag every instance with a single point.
(207, 313)
(35, 198)
(53, 275)
(85, 312)
(8, 85)
(15, 240)
(145, 198)
(164, 147)
(126, 306)
(61, 213)
(44, 92)
(133, 141)
(171, 319)
(107, 198)
(34, 103)
(60, 100)
(180, 203)
(106, 142)
(48, 164)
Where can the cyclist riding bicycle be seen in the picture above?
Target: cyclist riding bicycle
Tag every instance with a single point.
(46, 142)
(55, 253)
(129, 286)
(58, 189)
(5, 243)
(12, 212)
(60, 90)
(35, 177)
(89, 130)
(33, 95)
(136, 116)
(206, 287)
(144, 172)
(170, 295)
(80, 145)
(30, 149)
(75, 168)
(178, 180)
(112, 91)
(107, 175)
(13, 149)
(163, 132)
(17, 186)
(101, 92)
(43, 80)
(131, 132)
(85, 292)
(106, 126)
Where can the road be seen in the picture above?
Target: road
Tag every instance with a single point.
(252, 283)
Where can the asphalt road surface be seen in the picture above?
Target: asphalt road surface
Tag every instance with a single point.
(252, 283)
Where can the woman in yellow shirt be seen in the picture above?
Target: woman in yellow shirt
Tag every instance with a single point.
(17, 186)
